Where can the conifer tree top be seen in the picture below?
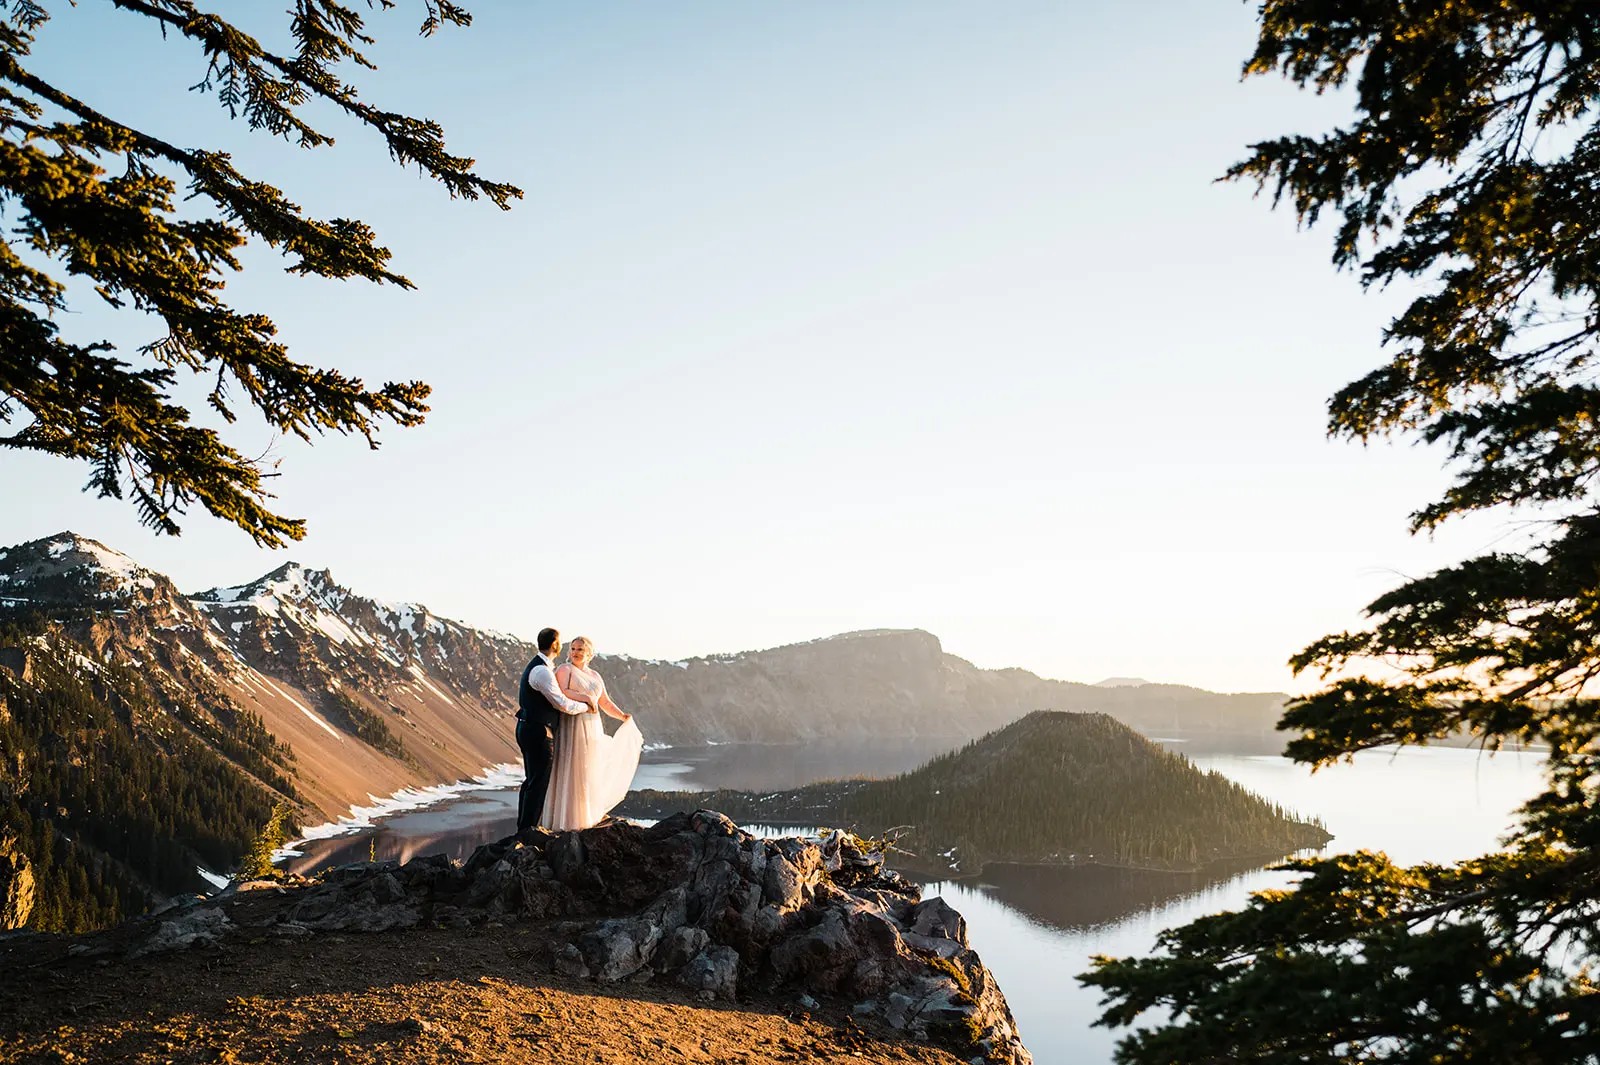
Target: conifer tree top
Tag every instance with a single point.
(1470, 166)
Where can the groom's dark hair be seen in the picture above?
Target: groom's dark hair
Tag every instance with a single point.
(548, 638)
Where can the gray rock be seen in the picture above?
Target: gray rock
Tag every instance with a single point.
(753, 859)
(814, 957)
(566, 855)
(618, 948)
(680, 946)
(784, 886)
(691, 899)
(385, 888)
(711, 823)
(484, 857)
(899, 1009)
(715, 969)
(358, 871)
(200, 926)
(433, 872)
(489, 883)
(937, 919)
(375, 904)
(939, 948)
(568, 961)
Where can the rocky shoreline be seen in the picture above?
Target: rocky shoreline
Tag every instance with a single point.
(692, 903)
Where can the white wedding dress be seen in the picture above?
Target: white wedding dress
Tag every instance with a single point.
(593, 771)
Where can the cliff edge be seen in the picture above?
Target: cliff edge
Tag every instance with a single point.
(804, 950)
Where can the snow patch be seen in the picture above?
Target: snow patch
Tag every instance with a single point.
(212, 878)
(303, 708)
(334, 627)
(116, 563)
(423, 677)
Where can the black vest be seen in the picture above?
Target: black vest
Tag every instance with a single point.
(531, 703)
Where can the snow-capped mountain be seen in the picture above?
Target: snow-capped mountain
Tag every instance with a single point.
(368, 698)
(303, 625)
(69, 569)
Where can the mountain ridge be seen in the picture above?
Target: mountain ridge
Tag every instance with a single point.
(327, 699)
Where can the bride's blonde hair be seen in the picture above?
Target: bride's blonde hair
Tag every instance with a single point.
(573, 643)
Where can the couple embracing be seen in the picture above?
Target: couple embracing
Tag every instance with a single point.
(574, 773)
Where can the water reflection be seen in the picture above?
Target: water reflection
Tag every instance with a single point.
(456, 828)
(1084, 898)
(769, 767)
(1036, 942)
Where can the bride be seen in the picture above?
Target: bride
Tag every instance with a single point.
(592, 770)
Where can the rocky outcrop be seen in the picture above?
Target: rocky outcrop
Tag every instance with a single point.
(16, 884)
(692, 901)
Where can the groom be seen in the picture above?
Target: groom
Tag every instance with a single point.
(541, 705)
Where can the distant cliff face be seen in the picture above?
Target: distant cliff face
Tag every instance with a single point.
(887, 683)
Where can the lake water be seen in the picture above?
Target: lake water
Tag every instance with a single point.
(1037, 928)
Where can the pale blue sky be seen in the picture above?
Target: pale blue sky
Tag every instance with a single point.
(815, 317)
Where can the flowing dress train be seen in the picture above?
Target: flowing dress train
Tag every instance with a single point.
(593, 771)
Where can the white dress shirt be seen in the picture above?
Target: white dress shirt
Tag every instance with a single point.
(542, 679)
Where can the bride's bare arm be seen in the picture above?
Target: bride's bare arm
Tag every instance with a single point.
(612, 708)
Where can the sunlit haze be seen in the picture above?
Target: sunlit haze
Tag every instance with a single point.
(815, 317)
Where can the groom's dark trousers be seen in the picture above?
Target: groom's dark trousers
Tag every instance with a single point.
(537, 722)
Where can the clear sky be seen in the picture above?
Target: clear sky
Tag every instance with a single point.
(816, 317)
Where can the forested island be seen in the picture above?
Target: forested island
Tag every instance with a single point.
(1052, 788)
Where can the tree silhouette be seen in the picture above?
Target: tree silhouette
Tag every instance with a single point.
(1471, 167)
(92, 197)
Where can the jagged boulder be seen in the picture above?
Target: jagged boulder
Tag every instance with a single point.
(364, 898)
(714, 972)
(692, 900)
(194, 926)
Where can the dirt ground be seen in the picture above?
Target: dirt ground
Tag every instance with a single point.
(420, 996)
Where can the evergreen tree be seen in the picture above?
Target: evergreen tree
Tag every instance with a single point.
(87, 195)
(1471, 167)
(257, 863)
